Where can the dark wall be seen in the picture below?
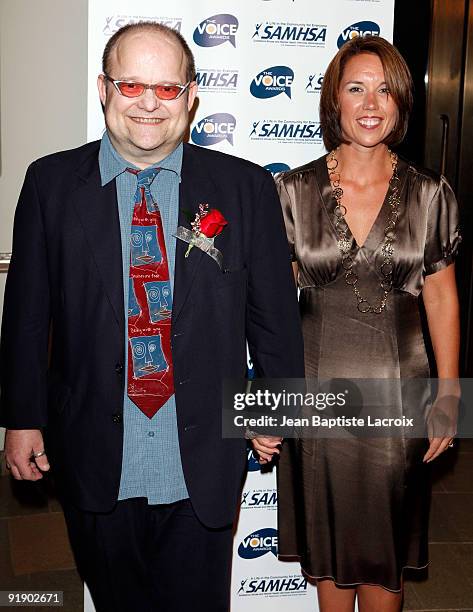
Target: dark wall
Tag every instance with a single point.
(412, 19)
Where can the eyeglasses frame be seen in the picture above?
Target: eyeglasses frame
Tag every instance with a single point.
(153, 86)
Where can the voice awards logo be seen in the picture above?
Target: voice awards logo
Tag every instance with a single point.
(276, 167)
(115, 22)
(214, 129)
(272, 586)
(272, 81)
(361, 28)
(216, 30)
(259, 543)
(290, 34)
(253, 463)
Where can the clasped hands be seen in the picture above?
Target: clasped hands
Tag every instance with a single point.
(267, 447)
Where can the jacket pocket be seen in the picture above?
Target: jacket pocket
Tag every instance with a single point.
(230, 278)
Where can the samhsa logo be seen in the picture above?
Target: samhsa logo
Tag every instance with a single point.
(217, 80)
(259, 543)
(259, 498)
(272, 82)
(276, 167)
(115, 22)
(216, 30)
(314, 83)
(287, 131)
(213, 129)
(361, 28)
(291, 34)
(273, 586)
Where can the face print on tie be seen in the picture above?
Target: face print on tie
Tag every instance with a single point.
(158, 294)
(148, 356)
(144, 246)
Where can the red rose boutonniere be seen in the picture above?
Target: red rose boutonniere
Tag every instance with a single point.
(205, 227)
(212, 223)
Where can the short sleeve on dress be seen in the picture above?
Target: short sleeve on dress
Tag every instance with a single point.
(287, 212)
(443, 232)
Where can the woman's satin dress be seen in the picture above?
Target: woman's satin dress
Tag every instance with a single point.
(356, 509)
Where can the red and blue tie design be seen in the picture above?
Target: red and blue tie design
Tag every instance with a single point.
(150, 371)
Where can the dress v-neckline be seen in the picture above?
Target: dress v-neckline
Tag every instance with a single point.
(373, 225)
(375, 235)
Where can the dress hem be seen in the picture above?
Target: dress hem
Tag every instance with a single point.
(351, 584)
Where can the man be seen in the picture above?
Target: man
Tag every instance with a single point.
(130, 399)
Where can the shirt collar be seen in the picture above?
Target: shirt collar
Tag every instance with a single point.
(112, 164)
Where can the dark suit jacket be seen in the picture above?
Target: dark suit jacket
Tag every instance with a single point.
(65, 288)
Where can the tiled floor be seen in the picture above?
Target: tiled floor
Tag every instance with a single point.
(42, 561)
(34, 551)
(449, 585)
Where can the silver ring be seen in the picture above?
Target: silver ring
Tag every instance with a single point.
(451, 444)
(39, 454)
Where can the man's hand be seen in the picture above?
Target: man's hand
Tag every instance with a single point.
(266, 447)
(21, 446)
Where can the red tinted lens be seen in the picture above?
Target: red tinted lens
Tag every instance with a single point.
(167, 92)
(131, 90)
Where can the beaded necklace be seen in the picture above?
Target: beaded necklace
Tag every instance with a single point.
(341, 226)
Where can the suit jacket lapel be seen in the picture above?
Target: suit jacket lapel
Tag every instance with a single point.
(97, 210)
(196, 188)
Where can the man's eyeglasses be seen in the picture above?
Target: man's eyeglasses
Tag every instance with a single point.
(163, 91)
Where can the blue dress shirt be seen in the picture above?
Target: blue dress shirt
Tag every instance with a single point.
(151, 465)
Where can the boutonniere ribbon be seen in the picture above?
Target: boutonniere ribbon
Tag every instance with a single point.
(207, 225)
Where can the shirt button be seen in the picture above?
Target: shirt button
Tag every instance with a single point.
(116, 418)
(119, 368)
(150, 434)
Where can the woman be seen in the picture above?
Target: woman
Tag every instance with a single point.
(369, 233)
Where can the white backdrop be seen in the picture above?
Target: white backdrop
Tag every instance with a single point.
(260, 66)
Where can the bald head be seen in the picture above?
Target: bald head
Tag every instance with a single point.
(150, 27)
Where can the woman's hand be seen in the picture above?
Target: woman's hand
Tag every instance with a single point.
(436, 448)
(442, 418)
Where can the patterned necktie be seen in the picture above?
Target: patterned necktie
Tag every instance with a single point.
(150, 371)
